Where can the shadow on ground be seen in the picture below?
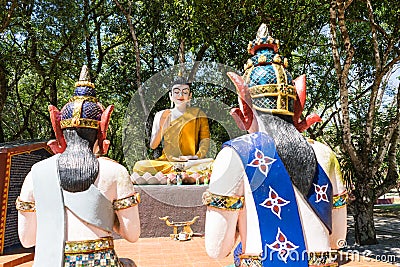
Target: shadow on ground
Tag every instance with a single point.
(387, 227)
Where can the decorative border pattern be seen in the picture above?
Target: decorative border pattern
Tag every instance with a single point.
(25, 206)
(341, 200)
(88, 246)
(6, 183)
(126, 202)
(315, 259)
(222, 202)
(84, 83)
(323, 259)
(5, 201)
(250, 261)
(79, 122)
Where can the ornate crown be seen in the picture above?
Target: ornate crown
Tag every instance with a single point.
(83, 109)
(269, 82)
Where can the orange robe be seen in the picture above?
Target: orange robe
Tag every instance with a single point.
(187, 135)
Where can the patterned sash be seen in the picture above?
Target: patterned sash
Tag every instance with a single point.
(274, 197)
(50, 234)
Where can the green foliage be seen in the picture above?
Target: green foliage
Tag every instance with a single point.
(47, 42)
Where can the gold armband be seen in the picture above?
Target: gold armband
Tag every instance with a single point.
(223, 202)
(325, 259)
(339, 201)
(126, 202)
(250, 260)
(25, 205)
(88, 246)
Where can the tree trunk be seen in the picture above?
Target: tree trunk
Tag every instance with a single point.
(364, 217)
(3, 98)
(127, 14)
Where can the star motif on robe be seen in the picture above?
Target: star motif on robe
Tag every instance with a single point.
(274, 202)
(261, 161)
(282, 245)
(321, 193)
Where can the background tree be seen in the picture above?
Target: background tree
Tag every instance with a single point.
(6, 13)
(346, 49)
(370, 107)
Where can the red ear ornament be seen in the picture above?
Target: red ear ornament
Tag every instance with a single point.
(243, 115)
(302, 125)
(103, 126)
(58, 145)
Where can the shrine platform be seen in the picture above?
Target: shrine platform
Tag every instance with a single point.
(162, 251)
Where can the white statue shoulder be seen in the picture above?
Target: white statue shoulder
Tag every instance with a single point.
(226, 178)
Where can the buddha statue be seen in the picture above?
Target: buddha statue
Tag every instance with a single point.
(184, 134)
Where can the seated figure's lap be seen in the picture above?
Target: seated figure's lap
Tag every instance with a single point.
(163, 172)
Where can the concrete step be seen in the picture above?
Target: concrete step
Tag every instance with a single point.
(16, 259)
(26, 264)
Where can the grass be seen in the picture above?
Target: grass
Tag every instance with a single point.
(392, 210)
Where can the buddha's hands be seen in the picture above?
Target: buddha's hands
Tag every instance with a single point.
(185, 158)
(160, 124)
(165, 120)
(188, 157)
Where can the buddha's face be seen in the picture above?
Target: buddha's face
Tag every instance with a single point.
(180, 94)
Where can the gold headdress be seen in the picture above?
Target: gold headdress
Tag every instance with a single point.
(83, 109)
(270, 84)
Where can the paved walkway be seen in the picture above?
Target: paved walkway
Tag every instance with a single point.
(388, 235)
(162, 251)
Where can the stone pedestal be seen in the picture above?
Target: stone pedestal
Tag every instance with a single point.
(179, 202)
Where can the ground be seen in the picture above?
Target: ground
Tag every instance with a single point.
(162, 251)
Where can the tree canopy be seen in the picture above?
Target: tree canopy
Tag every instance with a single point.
(349, 51)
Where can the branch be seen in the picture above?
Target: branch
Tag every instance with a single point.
(8, 18)
(3, 92)
(377, 26)
(384, 145)
(347, 4)
(378, 63)
(342, 75)
(393, 125)
(392, 172)
(375, 87)
(99, 45)
(381, 93)
(391, 43)
(29, 110)
(347, 44)
(137, 56)
(181, 51)
(335, 50)
(196, 65)
(391, 64)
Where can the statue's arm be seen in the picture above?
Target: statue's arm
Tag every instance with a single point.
(328, 161)
(339, 213)
(27, 214)
(126, 208)
(337, 173)
(226, 180)
(160, 123)
(204, 135)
